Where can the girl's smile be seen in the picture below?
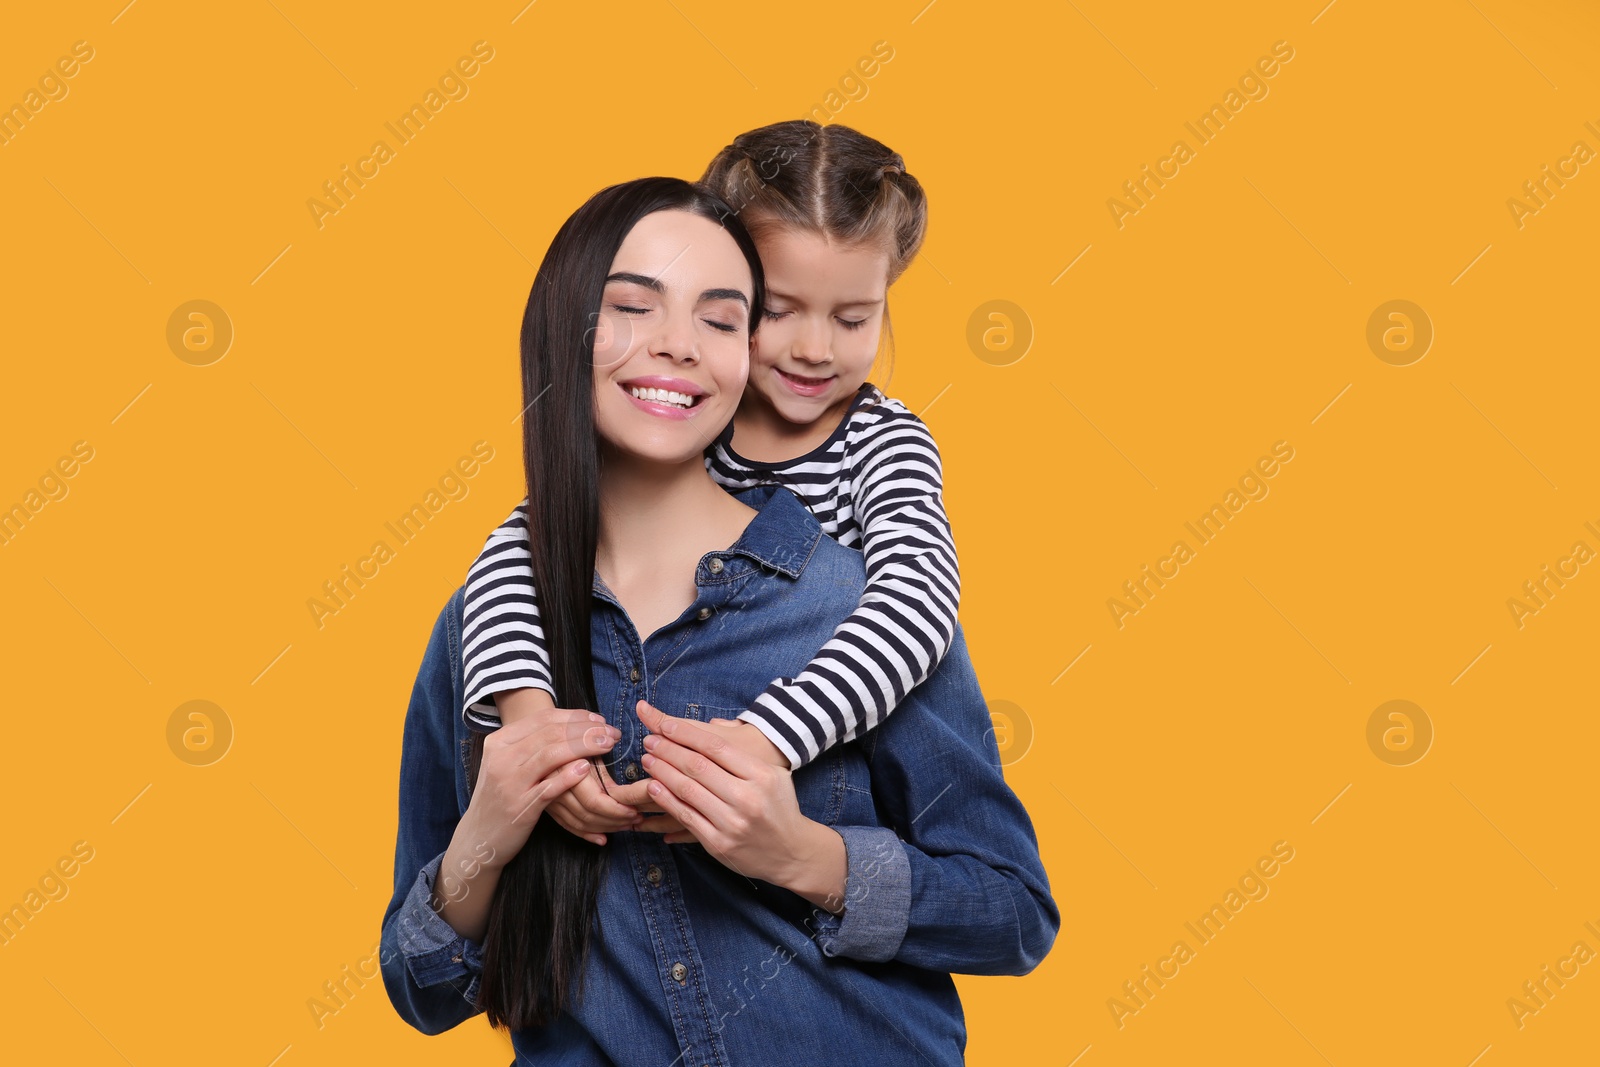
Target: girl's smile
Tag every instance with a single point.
(804, 386)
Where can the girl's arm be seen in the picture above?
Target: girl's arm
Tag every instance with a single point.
(955, 881)
(502, 644)
(950, 880)
(907, 615)
(506, 667)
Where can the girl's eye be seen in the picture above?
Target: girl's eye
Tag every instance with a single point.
(626, 310)
(773, 315)
(852, 324)
(723, 326)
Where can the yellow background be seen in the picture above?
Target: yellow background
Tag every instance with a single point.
(1229, 313)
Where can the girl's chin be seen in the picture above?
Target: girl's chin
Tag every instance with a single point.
(799, 410)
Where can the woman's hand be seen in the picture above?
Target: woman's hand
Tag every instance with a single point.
(741, 735)
(592, 807)
(742, 809)
(525, 766)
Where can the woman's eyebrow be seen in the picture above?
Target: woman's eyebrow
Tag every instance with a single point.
(725, 294)
(655, 285)
(637, 279)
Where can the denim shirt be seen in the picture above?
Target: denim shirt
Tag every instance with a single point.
(697, 964)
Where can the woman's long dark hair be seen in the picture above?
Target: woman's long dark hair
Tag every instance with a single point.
(544, 909)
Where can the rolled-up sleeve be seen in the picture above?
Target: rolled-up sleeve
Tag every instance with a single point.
(959, 884)
(877, 897)
(431, 973)
(432, 950)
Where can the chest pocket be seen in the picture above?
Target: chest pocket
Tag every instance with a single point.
(824, 787)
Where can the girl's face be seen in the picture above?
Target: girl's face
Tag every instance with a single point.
(671, 341)
(819, 332)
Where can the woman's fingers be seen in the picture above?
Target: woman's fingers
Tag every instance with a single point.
(701, 752)
(556, 743)
(542, 792)
(688, 817)
(518, 729)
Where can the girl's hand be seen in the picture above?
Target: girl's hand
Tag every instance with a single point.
(742, 809)
(524, 767)
(593, 807)
(748, 737)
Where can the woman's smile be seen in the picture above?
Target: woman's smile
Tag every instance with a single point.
(667, 398)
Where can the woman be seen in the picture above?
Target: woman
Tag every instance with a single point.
(817, 915)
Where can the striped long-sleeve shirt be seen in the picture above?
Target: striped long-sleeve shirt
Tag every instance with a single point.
(875, 484)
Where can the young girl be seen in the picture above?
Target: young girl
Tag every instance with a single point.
(836, 219)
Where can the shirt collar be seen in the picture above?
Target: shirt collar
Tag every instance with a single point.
(783, 534)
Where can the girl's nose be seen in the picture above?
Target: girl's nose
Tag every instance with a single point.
(811, 345)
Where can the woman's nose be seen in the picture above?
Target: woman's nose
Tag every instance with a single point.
(675, 339)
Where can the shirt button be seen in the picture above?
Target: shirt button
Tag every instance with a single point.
(631, 771)
(680, 973)
(653, 874)
(716, 566)
(705, 613)
(633, 675)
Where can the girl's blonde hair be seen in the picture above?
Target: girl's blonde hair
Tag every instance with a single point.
(828, 180)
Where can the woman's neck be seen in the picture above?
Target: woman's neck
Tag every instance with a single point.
(656, 521)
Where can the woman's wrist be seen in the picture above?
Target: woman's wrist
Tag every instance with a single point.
(819, 867)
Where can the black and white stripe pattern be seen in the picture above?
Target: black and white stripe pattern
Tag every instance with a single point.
(502, 644)
(875, 484)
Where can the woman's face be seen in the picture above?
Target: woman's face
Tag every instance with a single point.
(824, 313)
(672, 341)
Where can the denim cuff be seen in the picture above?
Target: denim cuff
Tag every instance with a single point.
(877, 897)
(433, 951)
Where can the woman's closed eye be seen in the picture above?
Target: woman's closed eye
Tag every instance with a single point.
(716, 324)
